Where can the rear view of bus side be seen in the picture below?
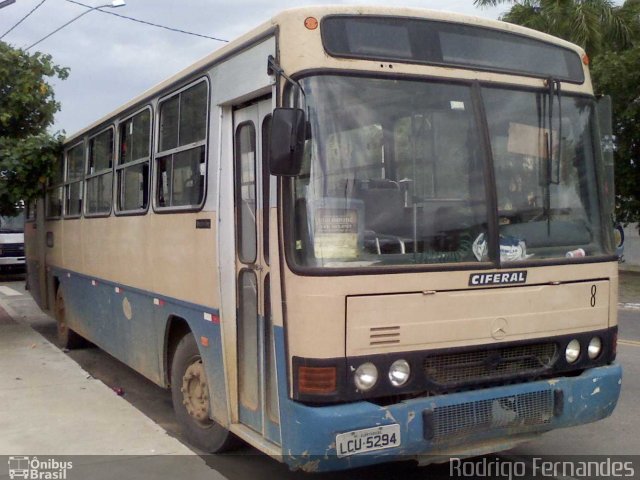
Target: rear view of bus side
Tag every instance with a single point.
(352, 236)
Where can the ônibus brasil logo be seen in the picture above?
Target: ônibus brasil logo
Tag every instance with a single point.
(35, 469)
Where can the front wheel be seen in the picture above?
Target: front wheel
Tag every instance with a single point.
(190, 395)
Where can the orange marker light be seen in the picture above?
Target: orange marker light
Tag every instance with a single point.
(585, 59)
(317, 380)
(311, 23)
(204, 341)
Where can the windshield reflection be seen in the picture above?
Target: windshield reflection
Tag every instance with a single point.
(12, 224)
(394, 174)
(547, 200)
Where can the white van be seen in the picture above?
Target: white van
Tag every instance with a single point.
(12, 243)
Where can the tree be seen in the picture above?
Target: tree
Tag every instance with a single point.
(595, 25)
(27, 109)
(618, 74)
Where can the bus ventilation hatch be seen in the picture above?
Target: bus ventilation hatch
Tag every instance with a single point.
(384, 335)
(454, 421)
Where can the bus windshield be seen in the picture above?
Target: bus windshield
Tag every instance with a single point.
(395, 174)
(12, 224)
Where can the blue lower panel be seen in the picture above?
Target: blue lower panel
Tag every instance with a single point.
(131, 324)
(459, 424)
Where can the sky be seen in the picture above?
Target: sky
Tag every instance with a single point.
(111, 60)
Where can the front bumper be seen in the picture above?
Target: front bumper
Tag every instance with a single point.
(458, 424)
(12, 264)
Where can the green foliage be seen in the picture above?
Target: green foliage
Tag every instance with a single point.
(26, 164)
(27, 109)
(618, 75)
(595, 25)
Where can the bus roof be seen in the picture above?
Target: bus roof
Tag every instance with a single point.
(298, 15)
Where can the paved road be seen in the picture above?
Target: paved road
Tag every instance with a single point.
(616, 435)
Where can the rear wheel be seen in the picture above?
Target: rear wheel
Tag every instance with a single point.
(190, 395)
(67, 338)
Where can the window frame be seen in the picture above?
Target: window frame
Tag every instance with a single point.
(67, 183)
(121, 167)
(157, 154)
(266, 185)
(97, 174)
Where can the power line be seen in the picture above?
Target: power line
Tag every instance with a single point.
(6, 3)
(150, 23)
(23, 19)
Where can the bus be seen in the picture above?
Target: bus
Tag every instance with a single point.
(353, 235)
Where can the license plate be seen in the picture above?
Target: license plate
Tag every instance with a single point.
(367, 440)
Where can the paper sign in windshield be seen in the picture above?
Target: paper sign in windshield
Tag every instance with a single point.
(336, 233)
(530, 140)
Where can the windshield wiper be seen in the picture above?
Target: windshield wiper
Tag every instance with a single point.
(554, 90)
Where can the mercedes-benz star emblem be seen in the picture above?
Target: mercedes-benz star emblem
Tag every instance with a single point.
(499, 328)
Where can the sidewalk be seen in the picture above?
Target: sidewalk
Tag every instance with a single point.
(49, 406)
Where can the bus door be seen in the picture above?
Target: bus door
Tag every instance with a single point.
(250, 126)
(34, 240)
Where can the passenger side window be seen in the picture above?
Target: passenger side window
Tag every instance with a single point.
(53, 201)
(133, 165)
(100, 174)
(181, 160)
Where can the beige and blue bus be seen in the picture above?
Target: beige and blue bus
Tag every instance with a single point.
(353, 235)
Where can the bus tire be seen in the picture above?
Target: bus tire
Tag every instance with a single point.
(190, 395)
(67, 338)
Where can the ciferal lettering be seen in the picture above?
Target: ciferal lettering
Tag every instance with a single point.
(502, 278)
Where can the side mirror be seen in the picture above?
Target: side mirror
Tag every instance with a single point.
(286, 146)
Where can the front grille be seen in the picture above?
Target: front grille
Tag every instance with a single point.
(481, 365)
(523, 410)
(12, 250)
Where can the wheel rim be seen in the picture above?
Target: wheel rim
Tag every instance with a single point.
(195, 393)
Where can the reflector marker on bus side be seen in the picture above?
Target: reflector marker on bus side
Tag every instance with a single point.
(158, 302)
(94, 283)
(209, 317)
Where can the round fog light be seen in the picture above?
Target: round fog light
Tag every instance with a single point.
(399, 372)
(366, 376)
(573, 351)
(595, 347)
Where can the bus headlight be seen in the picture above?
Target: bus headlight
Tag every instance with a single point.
(573, 351)
(366, 376)
(399, 372)
(595, 347)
